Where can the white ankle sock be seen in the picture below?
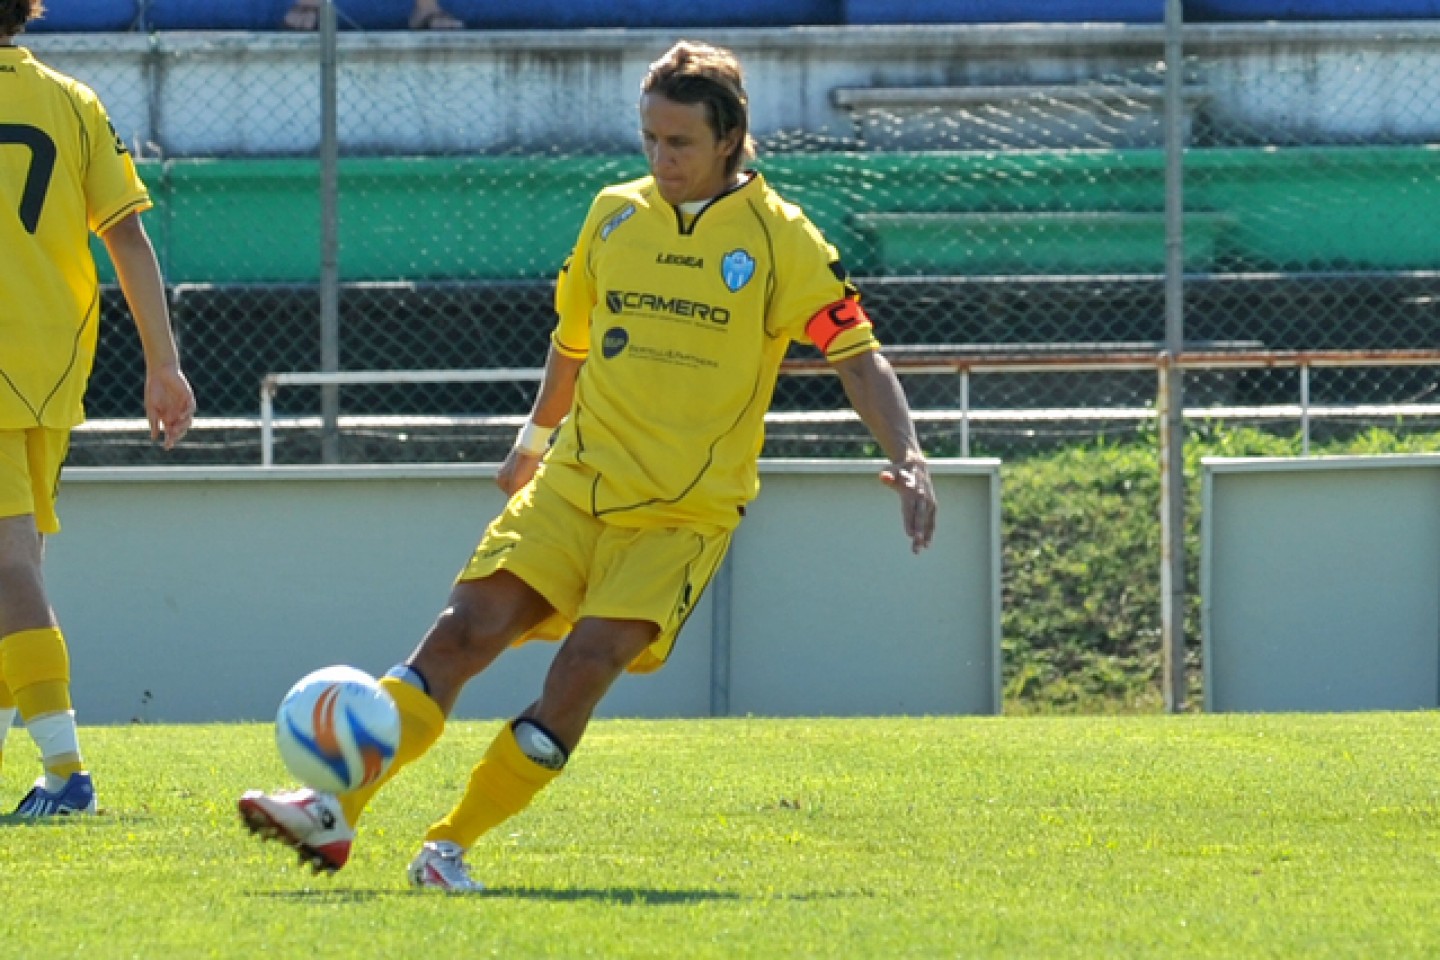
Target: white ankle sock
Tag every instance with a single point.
(55, 735)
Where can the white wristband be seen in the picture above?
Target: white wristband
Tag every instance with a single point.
(533, 439)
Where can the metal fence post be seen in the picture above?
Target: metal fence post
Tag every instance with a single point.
(329, 237)
(965, 412)
(1305, 409)
(1172, 407)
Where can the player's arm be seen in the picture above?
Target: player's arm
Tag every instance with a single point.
(843, 332)
(552, 405)
(875, 393)
(169, 401)
(569, 345)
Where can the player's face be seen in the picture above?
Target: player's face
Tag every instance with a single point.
(686, 158)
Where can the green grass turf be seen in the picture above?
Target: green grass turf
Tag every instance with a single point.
(1192, 836)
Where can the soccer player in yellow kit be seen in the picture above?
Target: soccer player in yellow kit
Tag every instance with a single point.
(676, 307)
(63, 174)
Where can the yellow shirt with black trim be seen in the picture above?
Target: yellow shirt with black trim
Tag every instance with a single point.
(683, 323)
(63, 174)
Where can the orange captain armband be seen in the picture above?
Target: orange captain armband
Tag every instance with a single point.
(831, 321)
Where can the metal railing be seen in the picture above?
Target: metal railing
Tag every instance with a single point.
(964, 367)
(272, 382)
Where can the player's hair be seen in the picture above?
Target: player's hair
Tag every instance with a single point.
(14, 14)
(691, 73)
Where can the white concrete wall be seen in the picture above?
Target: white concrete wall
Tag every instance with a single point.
(224, 94)
(1320, 583)
(194, 594)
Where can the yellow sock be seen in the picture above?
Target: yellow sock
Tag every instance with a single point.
(7, 715)
(502, 784)
(36, 666)
(421, 723)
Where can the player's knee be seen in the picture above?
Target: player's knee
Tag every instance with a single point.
(465, 631)
(595, 659)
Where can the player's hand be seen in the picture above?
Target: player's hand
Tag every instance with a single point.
(911, 480)
(517, 470)
(169, 403)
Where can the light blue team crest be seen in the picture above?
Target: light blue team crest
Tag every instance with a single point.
(737, 267)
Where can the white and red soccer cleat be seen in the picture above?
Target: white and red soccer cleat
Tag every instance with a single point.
(308, 821)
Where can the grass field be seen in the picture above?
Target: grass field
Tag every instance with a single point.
(1191, 836)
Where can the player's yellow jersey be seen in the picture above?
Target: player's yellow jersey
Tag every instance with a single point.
(63, 173)
(683, 324)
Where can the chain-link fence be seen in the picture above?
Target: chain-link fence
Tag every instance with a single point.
(1325, 166)
(993, 192)
(1002, 196)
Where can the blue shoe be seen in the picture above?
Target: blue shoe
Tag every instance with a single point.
(77, 796)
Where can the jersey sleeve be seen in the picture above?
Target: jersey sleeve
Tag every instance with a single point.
(814, 301)
(575, 295)
(574, 299)
(113, 188)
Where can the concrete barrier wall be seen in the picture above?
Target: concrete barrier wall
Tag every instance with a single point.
(1320, 581)
(192, 595)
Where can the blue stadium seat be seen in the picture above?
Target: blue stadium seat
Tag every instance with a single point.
(1210, 10)
(1004, 11)
(216, 14)
(82, 16)
(569, 14)
(78, 16)
(493, 15)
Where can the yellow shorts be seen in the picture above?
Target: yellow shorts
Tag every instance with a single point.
(30, 462)
(586, 567)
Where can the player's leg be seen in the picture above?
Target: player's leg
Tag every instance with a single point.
(481, 619)
(531, 751)
(491, 606)
(34, 658)
(528, 566)
(643, 586)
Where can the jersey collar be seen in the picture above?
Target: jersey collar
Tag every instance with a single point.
(682, 218)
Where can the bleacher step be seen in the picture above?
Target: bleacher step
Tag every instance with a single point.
(1038, 241)
(1093, 114)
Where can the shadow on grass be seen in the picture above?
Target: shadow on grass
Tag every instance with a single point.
(104, 818)
(624, 896)
(329, 896)
(620, 895)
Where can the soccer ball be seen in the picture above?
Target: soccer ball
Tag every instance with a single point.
(337, 729)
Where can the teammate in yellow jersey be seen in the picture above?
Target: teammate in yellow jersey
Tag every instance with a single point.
(63, 174)
(675, 310)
